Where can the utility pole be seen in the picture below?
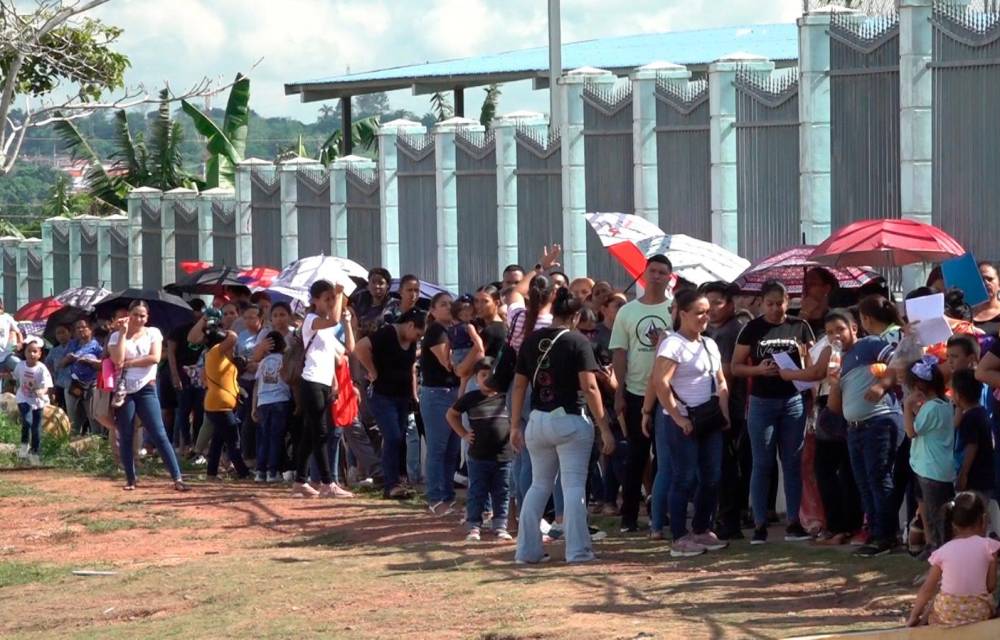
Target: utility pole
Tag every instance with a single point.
(555, 67)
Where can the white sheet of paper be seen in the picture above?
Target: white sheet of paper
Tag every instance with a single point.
(928, 312)
(784, 361)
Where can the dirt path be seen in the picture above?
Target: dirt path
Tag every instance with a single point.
(246, 560)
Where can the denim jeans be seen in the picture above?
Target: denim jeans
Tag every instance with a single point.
(390, 415)
(776, 424)
(660, 506)
(442, 442)
(360, 446)
(31, 424)
(271, 434)
(615, 466)
(559, 444)
(248, 428)
(872, 449)
(146, 404)
(934, 494)
(225, 432)
(697, 470)
(190, 400)
(489, 484)
(414, 465)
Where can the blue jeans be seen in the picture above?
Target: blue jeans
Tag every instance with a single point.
(9, 363)
(31, 422)
(662, 426)
(615, 466)
(443, 444)
(225, 433)
(872, 450)
(697, 471)
(776, 424)
(146, 404)
(489, 483)
(390, 415)
(190, 399)
(559, 444)
(413, 470)
(271, 434)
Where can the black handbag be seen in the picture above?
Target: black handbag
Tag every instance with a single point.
(505, 364)
(707, 417)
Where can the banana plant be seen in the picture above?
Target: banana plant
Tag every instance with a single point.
(490, 103)
(364, 135)
(226, 145)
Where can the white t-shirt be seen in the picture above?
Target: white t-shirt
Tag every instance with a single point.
(33, 384)
(321, 352)
(138, 377)
(271, 388)
(692, 379)
(7, 327)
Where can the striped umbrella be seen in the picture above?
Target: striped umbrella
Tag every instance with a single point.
(789, 267)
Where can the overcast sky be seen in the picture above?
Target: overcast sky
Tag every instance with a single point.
(182, 40)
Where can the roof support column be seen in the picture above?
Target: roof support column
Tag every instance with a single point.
(346, 143)
(459, 102)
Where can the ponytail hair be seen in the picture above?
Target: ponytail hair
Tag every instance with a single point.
(565, 305)
(540, 291)
(965, 511)
(880, 309)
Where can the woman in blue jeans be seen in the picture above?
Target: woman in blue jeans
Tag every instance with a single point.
(559, 363)
(776, 415)
(388, 355)
(688, 374)
(136, 349)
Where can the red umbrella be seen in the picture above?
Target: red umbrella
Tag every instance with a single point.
(190, 266)
(887, 243)
(789, 267)
(38, 310)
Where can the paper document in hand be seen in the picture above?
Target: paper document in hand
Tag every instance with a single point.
(928, 314)
(784, 361)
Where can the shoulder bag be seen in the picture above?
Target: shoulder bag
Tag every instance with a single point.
(506, 362)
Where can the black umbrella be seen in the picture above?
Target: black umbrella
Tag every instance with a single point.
(66, 315)
(211, 280)
(166, 311)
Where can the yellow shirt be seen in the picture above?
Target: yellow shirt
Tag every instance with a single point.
(221, 387)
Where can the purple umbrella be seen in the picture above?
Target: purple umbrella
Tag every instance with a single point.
(789, 266)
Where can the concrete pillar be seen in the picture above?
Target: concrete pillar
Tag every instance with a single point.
(445, 184)
(104, 247)
(11, 299)
(814, 122)
(26, 246)
(646, 179)
(338, 198)
(187, 198)
(389, 189)
(722, 145)
(574, 177)
(136, 197)
(288, 175)
(244, 219)
(206, 220)
(504, 130)
(51, 227)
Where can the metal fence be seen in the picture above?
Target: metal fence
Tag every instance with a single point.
(476, 209)
(767, 165)
(364, 217)
(10, 293)
(864, 118)
(60, 258)
(966, 78)
(186, 244)
(34, 275)
(539, 193)
(265, 217)
(151, 249)
(224, 233)
(313, 208)
(683, 165)
(90, 270)
(118, 240)
(418, 229)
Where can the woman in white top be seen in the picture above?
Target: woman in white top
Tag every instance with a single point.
(136, 349)
(317, 386)
(688, 381)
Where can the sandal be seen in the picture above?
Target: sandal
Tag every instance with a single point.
(128, 487)
(179, 485)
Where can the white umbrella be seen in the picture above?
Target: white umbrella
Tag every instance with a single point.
(695, 260)
(294, 281)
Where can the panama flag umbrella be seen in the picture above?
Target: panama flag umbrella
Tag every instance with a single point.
(37, 310)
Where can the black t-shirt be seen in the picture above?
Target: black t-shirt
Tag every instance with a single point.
(187, 354)
(490, 424)
(725, 337)
(494, 335)
(990, 327)
(370, 316)
(765, 340)
(558, 383)
(432, 372)
(393, 363)
(974, 428)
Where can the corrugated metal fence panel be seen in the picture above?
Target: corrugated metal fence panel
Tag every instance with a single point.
(224, 233)
(966, 76)
(539, 194)
(186, 245)
(683, 164)
(364, 217)
(119, 257)
(313, 193)
(265, 217)
(864, 118)
(35, 274)
(767, 165)
(152, 249)
(607, 130)
(60, 260)
(90, 274)
(10, 298)
(417, 206)
(476, 209)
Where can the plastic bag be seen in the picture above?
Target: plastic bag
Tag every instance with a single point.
(906, 353)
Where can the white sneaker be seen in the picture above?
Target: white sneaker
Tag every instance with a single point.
(143, 453)
(34, 460)
(273, 477)
(22, 452)
(289, 476)
(340, 492)
(260, 476)
(473, 535)
(367, 482)
(200, 461)
(460, 479)
(304, 491)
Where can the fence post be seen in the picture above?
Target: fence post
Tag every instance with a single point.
(23, 269)
(338, 201)
(11, 299)
(646, 180)
(48, 250)
(445, 185)
(389, 188)
(244, 211)
(504, 130)
(136, 198)
(104, 248)
(171, 199)
(574, 172)
(722, 145)
(288, 171)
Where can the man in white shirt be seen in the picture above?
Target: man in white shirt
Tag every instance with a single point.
(10, 341)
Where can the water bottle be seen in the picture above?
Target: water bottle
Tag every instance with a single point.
(836, 352)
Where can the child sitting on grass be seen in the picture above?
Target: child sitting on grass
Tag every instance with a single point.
(490, 452)
(33, 384)
(963, 572)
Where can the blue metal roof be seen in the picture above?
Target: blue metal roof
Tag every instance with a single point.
(778, 42)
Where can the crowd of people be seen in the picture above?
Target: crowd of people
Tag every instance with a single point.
(550, 398)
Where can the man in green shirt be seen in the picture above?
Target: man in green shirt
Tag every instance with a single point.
(637, 331)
